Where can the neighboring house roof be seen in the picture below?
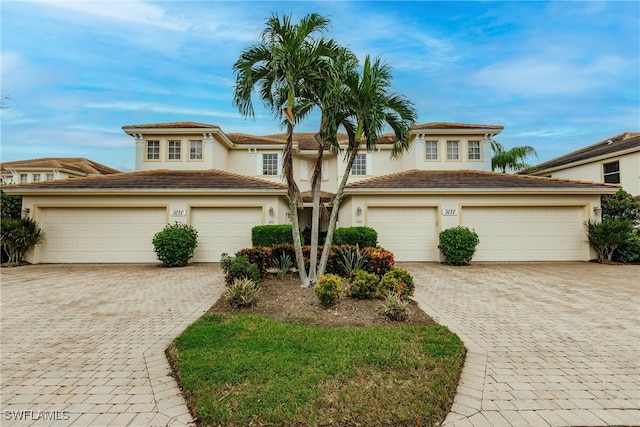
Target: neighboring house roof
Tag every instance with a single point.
(416, 179)
(451, 125)
(153, 180)
(75, 164)
(619, 144)
(171, 125)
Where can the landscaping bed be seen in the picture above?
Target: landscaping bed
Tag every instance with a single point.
(289, 361)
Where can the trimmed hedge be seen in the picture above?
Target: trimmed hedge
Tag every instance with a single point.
(361, 236)
(271, 235)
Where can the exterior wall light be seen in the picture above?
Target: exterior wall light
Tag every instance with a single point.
(359, 211)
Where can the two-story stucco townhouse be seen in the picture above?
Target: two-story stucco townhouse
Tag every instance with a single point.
(615, 160)
(224, 184)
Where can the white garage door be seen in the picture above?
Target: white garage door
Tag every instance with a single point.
(223, 230)
(528, 233)
(409, 232)
(100, 235)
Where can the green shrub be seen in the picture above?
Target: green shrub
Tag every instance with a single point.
(363, 285)
(621, 205)
(328, 289)
(10, 205)
(397, 281)
(395, 308)
(606, 236)
(283, 264)
(628, 252)
(271, 235)
(18, 237)
(258, 255)
(361, 236)
(458, 245)
(351, 258)
(280, 250)
(242, 293)
(380, 260)
(175, 244)
(239, 268)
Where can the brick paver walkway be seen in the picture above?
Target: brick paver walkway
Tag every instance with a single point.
(548, 343)
(85, 344)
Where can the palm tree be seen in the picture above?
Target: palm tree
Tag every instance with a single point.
(372, 106)
(287, 59)
(330, 98)
(513, 159)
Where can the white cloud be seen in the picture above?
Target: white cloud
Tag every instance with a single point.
(157, 108)
(132, 11)
(544, 75)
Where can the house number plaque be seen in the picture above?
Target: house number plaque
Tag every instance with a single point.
(178, 212)
(449, 212)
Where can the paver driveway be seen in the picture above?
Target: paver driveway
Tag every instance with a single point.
(548, 343)
(85, 344)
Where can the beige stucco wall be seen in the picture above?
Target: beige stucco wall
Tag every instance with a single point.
(214, 153)
(177, 206)
(629, 172)
(349, 216)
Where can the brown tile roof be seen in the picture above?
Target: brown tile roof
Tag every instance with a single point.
(155, 180)
(244, 139)
(451, 125)
(471, 179)
(78, 164)
(171, 125)
(305, 140)
(611, 146)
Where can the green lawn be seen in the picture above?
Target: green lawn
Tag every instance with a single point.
(238, 369)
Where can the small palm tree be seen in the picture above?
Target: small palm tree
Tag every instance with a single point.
(513, 160)
(369, 102)
(288, 59)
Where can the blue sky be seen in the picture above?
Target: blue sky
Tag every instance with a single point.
(557, 75)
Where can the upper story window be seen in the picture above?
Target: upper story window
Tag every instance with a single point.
(36, 177)
(453, 150)
(24, 178)
(474, 150)
(174, 150)
(431, 150)
(153, 150)
(269, 164)
(195, 150)
(611, 172)
(359, 166)
(49, 177)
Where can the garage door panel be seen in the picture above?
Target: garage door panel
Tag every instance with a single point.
(223, 230)
(409, 232)
(527, 233)
(79, 235)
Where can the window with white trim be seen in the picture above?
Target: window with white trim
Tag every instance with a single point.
(174, 150)
(359, 166)
(453, 150)
(195, 150)
(473, 150)
(611, 172)
(36, 177)
(269, 164)
(24, 178)
(153, 150)
(431, 150)
(49, 177)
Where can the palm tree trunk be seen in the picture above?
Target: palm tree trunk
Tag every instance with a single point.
(316, 185)
(294, 194)
(336, 207)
